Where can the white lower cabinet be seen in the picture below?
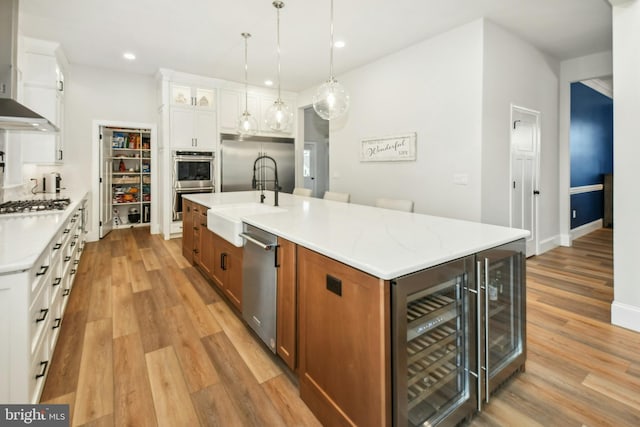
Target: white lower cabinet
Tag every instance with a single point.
(32, 305)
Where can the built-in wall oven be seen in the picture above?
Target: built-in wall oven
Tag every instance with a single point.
(193, 172)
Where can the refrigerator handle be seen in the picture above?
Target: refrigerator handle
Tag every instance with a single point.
(486, 329)
(479, 331)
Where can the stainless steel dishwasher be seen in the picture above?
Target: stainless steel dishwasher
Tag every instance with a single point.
(259, 271)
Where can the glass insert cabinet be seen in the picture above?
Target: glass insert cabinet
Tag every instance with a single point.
(457, 334)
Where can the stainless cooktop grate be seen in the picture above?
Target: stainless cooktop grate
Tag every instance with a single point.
(31, 206)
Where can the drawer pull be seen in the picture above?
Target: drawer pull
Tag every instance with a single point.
(57, 281)
(73, 271)
(73, 219)
(76, 262)
(56, 325)
(57, 246)
(43, 270)
(43, 369)
(44, 312)
(66, 292)
(66, 231)
(67, 258)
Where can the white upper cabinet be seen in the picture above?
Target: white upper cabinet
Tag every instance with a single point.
(192, 117)
(192, 96)
(192, 129)
(232, 105)
(42, 90)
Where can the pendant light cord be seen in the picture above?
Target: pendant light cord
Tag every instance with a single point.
(331, 45)
(278, 7)
(246, 79)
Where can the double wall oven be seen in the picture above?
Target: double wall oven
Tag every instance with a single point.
(193, 172)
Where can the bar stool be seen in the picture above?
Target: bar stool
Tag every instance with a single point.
(299, 191)
(396, 204)
(338, 197)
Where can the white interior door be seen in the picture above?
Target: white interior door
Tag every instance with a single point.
(310, 167)
(106, 214)
(525, 152)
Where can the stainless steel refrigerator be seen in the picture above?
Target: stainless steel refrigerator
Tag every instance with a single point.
(237, 159)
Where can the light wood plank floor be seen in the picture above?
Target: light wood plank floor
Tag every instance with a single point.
(147, 342)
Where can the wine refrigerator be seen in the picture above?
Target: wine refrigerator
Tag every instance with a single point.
(457, 334)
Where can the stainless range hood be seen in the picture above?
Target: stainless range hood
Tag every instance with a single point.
(13, 115)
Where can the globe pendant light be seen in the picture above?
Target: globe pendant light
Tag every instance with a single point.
(278, 116)
(331, 99)
(247, 124)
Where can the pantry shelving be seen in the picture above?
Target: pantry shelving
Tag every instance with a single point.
(131, 190)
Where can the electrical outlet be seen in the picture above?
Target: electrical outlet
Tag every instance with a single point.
(573, 214)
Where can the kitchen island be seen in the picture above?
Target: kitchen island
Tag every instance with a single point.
(338, 316)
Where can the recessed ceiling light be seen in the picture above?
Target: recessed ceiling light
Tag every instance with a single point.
(268, 83)
(128, 55)
(339, 44)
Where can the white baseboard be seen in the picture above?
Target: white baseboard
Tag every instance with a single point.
(565, 240)
(548, 244)
(625, 315)
(585, 229)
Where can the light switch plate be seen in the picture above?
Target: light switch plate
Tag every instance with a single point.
(460, 178)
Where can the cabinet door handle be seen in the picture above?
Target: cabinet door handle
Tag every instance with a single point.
(276, 260)
(73, 271)
(479, 331)
(57, 246)
(66, 292)
(43, 370)
(56, 325)
(486, 328)
(60, 151)
(57, 281)
(44, 312)
(43, 270)
(67, 258)
(60, 86)
(223, 261)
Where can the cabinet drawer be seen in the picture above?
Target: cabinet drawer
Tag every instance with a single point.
(39, 314)
(38, 272)
(55, 323)
(38, 370)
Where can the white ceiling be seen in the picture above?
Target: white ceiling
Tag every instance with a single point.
(203, 37)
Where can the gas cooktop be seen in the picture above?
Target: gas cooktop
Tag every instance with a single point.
(33, 206)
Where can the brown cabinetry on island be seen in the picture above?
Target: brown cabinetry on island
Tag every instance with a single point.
(344, 348)
(219, 260)
(227, 269)
(286, 303)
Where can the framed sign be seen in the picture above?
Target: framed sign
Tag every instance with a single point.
(389, 148)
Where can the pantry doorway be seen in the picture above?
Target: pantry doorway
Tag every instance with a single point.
(127, 175)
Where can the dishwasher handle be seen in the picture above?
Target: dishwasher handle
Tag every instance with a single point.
(264, 245)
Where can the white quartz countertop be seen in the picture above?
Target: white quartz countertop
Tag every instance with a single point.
(382, 242)
(23, 237)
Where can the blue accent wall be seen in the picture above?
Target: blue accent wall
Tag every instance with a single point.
(591, 146)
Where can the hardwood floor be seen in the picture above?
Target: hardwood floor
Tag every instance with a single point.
(580, 369)
(146, 341)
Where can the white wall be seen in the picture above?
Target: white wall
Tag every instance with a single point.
(625, 310)
(99, 94)
(433, 88)
(515, 72)
(573, 70)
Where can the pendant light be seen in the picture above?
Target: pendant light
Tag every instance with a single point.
(331, 99)
(247, 124)
(278, 117)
